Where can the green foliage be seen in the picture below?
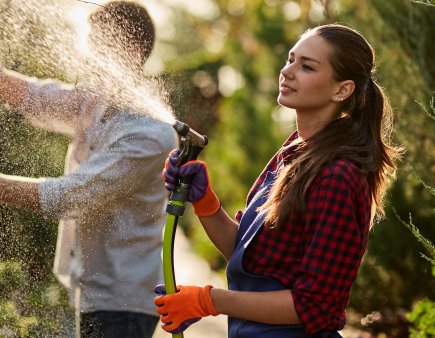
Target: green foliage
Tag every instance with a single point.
(429, 111)
(27, 240)
(11, 277)
(426, 2)
(409, 28)
(430, 248)
(12, 323)
(28, 151)
(393, 276)
(423, 318)
(29, 311)
(422, 315)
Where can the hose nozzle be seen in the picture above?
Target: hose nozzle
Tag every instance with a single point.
(191, 142)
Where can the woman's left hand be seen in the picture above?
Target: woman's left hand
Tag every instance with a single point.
(181, 309)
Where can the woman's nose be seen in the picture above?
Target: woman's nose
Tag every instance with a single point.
(287, 71)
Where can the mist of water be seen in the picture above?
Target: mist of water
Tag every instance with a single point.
(38, 37)
(41, 32)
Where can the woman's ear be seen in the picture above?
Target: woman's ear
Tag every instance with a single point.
(345, 89)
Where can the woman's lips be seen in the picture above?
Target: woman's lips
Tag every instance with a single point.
(285, 89)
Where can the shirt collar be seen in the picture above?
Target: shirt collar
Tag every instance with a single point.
(287, 150)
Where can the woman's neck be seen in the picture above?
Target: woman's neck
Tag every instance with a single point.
(308, 125)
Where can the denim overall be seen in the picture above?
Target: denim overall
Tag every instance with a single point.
(240, 280)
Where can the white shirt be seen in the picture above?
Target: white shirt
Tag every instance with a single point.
(111, 200)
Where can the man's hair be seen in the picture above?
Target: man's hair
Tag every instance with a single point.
(124, 24)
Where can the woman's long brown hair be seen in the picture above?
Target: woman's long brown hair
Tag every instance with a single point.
(360, 134)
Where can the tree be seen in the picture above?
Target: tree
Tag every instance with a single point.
(393, 267)
(422, 315)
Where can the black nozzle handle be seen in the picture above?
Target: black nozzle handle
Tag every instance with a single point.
(191, 145)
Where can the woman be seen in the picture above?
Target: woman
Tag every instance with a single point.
(294, 252)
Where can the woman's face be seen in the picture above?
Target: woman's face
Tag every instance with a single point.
(306, 82)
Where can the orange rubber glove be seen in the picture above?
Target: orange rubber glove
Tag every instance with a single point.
(181, 309)
(208, 204)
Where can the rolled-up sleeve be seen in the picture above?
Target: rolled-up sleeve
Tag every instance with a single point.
(333, 252)
(108, 176)
(52, 105)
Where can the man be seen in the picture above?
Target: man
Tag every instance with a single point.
(111, 200)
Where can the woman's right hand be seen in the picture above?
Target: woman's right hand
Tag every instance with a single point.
(201, 195)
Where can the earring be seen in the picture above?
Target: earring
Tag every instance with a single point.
(337, 99)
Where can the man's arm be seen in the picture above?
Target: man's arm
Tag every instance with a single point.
(49, 104)
(12, 87)
(20, 192)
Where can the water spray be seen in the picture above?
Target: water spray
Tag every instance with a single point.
(191, 144)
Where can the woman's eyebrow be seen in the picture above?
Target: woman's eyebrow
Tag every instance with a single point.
(305, 58)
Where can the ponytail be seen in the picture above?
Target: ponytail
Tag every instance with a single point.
(385, 154)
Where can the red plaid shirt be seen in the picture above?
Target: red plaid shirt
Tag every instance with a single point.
(316, 255)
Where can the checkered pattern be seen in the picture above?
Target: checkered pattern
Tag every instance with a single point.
(317, 255)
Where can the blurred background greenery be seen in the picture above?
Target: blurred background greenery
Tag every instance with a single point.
(220, 60)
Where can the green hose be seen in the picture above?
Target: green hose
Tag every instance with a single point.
(168, 254)
(191, 144)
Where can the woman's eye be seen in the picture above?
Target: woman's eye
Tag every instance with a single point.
(307, 67)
